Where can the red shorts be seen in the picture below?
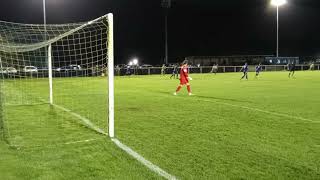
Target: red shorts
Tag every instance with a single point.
(184, 81)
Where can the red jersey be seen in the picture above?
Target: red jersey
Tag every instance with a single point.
(184, 75)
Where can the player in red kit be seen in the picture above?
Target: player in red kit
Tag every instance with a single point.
(184, 78)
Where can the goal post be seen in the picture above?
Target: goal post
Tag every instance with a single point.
(111, 75)
(50, 74)
(2, 125)
(55, 74)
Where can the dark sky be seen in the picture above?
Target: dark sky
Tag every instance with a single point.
(196, 27)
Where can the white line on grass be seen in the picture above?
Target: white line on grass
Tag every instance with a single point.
(81, 141)
(260, 110)
(263, 111)
(86, 121)
(142, 160)
(125, 148)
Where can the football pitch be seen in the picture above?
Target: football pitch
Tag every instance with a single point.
(264, 128)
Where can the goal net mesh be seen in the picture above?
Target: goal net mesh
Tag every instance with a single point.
(80, 87)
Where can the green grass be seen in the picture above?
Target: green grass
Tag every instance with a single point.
(266, 128)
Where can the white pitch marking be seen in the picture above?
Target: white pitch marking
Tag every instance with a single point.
(125, 148)
(86, 121)
(263, 111)
(81, 141)
(260, 110)
(142, 160)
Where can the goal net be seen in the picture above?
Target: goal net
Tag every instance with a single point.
(54, 82)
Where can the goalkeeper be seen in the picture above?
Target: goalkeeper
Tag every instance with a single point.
(184, 78)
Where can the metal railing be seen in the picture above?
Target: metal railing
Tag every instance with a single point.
(146, 71)
(208, 69)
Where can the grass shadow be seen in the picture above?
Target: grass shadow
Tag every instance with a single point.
(206, 97)
(223, 99)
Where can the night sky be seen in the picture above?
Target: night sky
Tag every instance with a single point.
(196, 27)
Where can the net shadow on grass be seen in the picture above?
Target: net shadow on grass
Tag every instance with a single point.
(48, 126)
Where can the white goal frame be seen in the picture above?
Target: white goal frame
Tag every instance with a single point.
(48, 47)
(110, 53)
(111, 74)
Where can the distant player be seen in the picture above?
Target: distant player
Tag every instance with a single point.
(118, 70)
(292, 69)
(214, 69)
(174, 72)
(311, 67)
(163, 69)
(184, 78)
(177, 71)
(258, 70)
(245, 70)
(128, 71)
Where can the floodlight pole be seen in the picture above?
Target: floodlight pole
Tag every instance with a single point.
(278, 3)
(277, 31)
(166, 31)
(44, 14)
(44, 19)
(166, 4)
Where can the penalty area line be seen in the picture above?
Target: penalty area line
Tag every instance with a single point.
(143, 161)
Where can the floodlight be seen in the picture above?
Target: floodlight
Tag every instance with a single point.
(278, 2)
(135, 61)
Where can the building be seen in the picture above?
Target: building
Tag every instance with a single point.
(282, 60)
(227, 60)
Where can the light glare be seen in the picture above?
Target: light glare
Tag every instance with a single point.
(278, 2)
(135, 61)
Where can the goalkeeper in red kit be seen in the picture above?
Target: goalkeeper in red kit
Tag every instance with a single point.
(184, 78)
